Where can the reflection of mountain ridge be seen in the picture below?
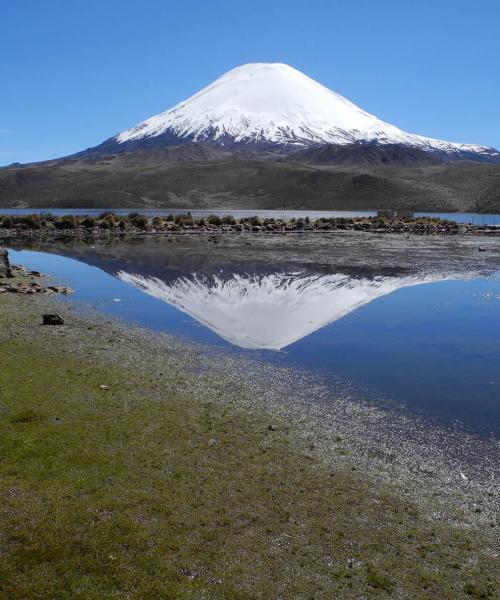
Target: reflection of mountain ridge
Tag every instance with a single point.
(161, 257)
(269, 311)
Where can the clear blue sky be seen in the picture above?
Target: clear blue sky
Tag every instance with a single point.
(75, 72)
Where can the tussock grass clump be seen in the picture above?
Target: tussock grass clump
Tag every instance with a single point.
(88, 222)
(21, 221)
(138, 221)
(253, 221)
(186, 219)
(28, 415)
(66, 222)
(214, 220)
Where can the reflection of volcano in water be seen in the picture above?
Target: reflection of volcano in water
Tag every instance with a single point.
(269, 311)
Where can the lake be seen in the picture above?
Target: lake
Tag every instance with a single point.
(411, 324)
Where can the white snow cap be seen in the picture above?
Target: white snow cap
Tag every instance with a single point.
(277, 104)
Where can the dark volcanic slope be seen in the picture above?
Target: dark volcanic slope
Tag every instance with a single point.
(195, 176)
(366, 154)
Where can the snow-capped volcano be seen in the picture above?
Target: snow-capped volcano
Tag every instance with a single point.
(274, 105)
(270, 311)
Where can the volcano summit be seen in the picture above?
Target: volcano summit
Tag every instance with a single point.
(274, 106)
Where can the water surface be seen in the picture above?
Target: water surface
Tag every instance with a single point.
(425, 339)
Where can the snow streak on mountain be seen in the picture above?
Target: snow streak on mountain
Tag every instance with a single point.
(267, 104)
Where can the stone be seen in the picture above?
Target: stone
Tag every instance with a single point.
(60, 289)
(5, 269)
(20, 288)
(50, 319)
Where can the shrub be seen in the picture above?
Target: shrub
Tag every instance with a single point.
(214, 220)
(66, 222)
(139, 221)
(254, 221)
(229, 220)
(31, 221)
(88, 221)
(184, 219)
(107, 215)
(378, 581)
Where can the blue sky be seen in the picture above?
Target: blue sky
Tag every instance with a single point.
(73, 73)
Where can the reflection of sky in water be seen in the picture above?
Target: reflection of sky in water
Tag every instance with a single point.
(434, 348)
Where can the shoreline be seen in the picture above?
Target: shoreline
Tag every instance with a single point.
(321, 412)
(432, 478)
(109, 226)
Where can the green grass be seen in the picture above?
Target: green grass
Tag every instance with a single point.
(147, 490)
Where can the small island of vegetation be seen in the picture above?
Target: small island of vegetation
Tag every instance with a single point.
(111, 224)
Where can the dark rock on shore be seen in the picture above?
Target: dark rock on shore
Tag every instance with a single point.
(5, 270)
(33, 287)
(50, 319)
(24, 282)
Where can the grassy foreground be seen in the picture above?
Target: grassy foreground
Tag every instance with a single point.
(151, 489)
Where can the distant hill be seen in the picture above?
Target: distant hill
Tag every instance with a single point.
(194, 177)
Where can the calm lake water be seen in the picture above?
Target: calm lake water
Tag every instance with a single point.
(428, 342)
(478, 219)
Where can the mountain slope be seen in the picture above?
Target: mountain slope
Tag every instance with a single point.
(365, 154)
(275, 106)
(148, 179)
